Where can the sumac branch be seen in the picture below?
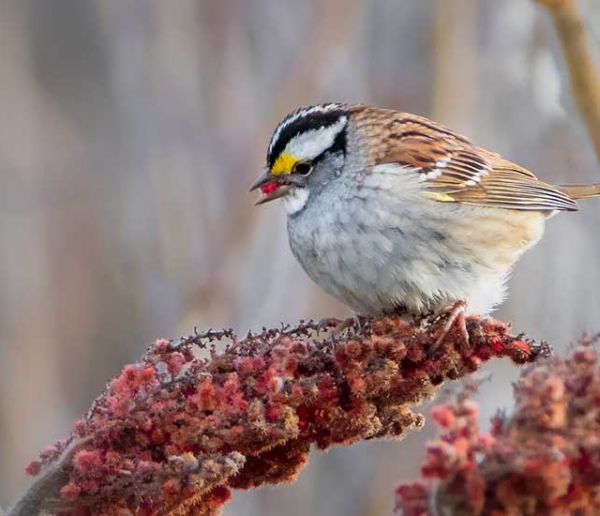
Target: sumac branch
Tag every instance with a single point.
(196, 418)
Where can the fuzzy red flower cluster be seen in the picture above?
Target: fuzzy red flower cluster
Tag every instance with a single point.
(176, 432)
(543, 459)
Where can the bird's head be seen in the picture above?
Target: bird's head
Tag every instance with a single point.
(306, 151)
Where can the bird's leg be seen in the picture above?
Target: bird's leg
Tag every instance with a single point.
(330, 323)
(358, 322)
(456, 315)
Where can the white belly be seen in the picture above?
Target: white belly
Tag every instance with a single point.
(378, 257)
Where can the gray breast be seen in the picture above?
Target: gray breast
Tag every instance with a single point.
(373, 253)
(350, 249)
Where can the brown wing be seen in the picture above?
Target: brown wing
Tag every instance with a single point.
(455, 170)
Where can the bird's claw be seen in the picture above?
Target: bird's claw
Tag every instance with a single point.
(330, 323)
(357, 322)
(456, 315)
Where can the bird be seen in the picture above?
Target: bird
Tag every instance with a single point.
(391, 212)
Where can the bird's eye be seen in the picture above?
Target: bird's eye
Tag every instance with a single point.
(303, 168)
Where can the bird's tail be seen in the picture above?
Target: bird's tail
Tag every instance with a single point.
(581, 191)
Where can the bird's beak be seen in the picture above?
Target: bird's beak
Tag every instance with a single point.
(262, 180)
(270, 188)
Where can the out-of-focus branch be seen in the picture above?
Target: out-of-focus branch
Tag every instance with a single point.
(583, 73)
(176, 432)
(455, 74)
(543, 459)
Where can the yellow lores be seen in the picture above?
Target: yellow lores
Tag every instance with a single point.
(283, 164)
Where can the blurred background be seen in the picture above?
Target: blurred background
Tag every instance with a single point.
(130, 132)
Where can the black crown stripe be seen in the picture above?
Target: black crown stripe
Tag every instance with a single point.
(311, 121)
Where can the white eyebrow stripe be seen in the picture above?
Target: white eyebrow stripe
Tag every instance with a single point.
(320, 108)
(310, 144)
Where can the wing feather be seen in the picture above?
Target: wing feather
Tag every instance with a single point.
(455, 170)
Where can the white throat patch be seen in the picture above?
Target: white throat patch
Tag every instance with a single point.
(295, 201)
(310, 144)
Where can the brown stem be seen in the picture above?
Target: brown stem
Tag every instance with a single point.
(583, 73)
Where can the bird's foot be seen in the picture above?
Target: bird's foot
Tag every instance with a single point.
(329, 324)
(455, 315)
(357, 322)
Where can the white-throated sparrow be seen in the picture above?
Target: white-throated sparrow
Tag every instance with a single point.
(388, 210)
